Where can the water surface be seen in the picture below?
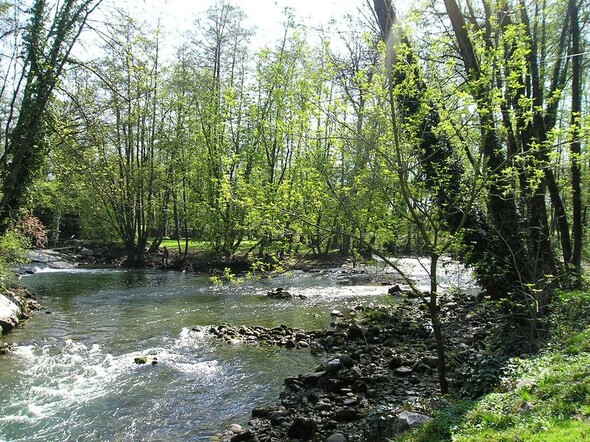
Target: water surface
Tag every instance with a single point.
(72, 374)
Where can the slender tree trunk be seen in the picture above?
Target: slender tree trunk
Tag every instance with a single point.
(575, 146)
(434, 309)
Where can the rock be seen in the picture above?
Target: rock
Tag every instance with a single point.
(355, 332)
(262, 412)
(347, 415)
(9, 314)
(336, 314)
(4, 348)
(236, 429)
(431, 361)
(313, 378)
(279, 293)
(334, 366)
(396, 362)
(246, 436)
(302, 428)
(346, 361)
(336, 438)
(140, 360)
(60, 265)
(403, 371)
(395, 290)
(406, 420)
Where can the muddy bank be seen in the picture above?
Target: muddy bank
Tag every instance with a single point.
(377, 377)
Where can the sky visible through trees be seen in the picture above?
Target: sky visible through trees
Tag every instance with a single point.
(460, 129)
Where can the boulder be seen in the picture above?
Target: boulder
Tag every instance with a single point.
(302, 428)
(406, 420)
(9, 314)
(279, 293)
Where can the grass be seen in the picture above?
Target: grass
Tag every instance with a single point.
(195, 246)
(545, 398)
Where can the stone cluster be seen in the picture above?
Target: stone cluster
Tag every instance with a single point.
(281, 293)
(371, 375)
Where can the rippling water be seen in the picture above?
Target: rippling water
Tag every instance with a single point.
(72, 376)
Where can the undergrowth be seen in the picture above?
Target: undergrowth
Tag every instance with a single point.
(543, 398)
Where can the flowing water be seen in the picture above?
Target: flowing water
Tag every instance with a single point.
(71, 375)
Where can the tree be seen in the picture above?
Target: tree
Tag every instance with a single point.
(220, 137)
(49, 38)
(508, 72)
(576, 145)
(116, 107)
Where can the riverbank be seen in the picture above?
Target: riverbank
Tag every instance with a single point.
(378, 377)
(378, 373)
(16, 305)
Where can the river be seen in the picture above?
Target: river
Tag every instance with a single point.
(71, 375)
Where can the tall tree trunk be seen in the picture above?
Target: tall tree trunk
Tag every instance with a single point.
(575, 146)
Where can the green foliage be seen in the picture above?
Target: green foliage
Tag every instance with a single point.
(226, 277)
(542, 398)
(13, 245)
(478, 374)
(443, 425)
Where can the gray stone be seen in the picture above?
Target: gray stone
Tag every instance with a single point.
(337, 438)
(406, 420)
(403, 371)
(9, 314)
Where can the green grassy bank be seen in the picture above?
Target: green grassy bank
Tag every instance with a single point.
(545, 397)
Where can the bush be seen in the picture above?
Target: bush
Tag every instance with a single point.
(30, 227)
(12, 249)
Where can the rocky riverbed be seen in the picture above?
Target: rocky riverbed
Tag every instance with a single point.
(378, 376)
